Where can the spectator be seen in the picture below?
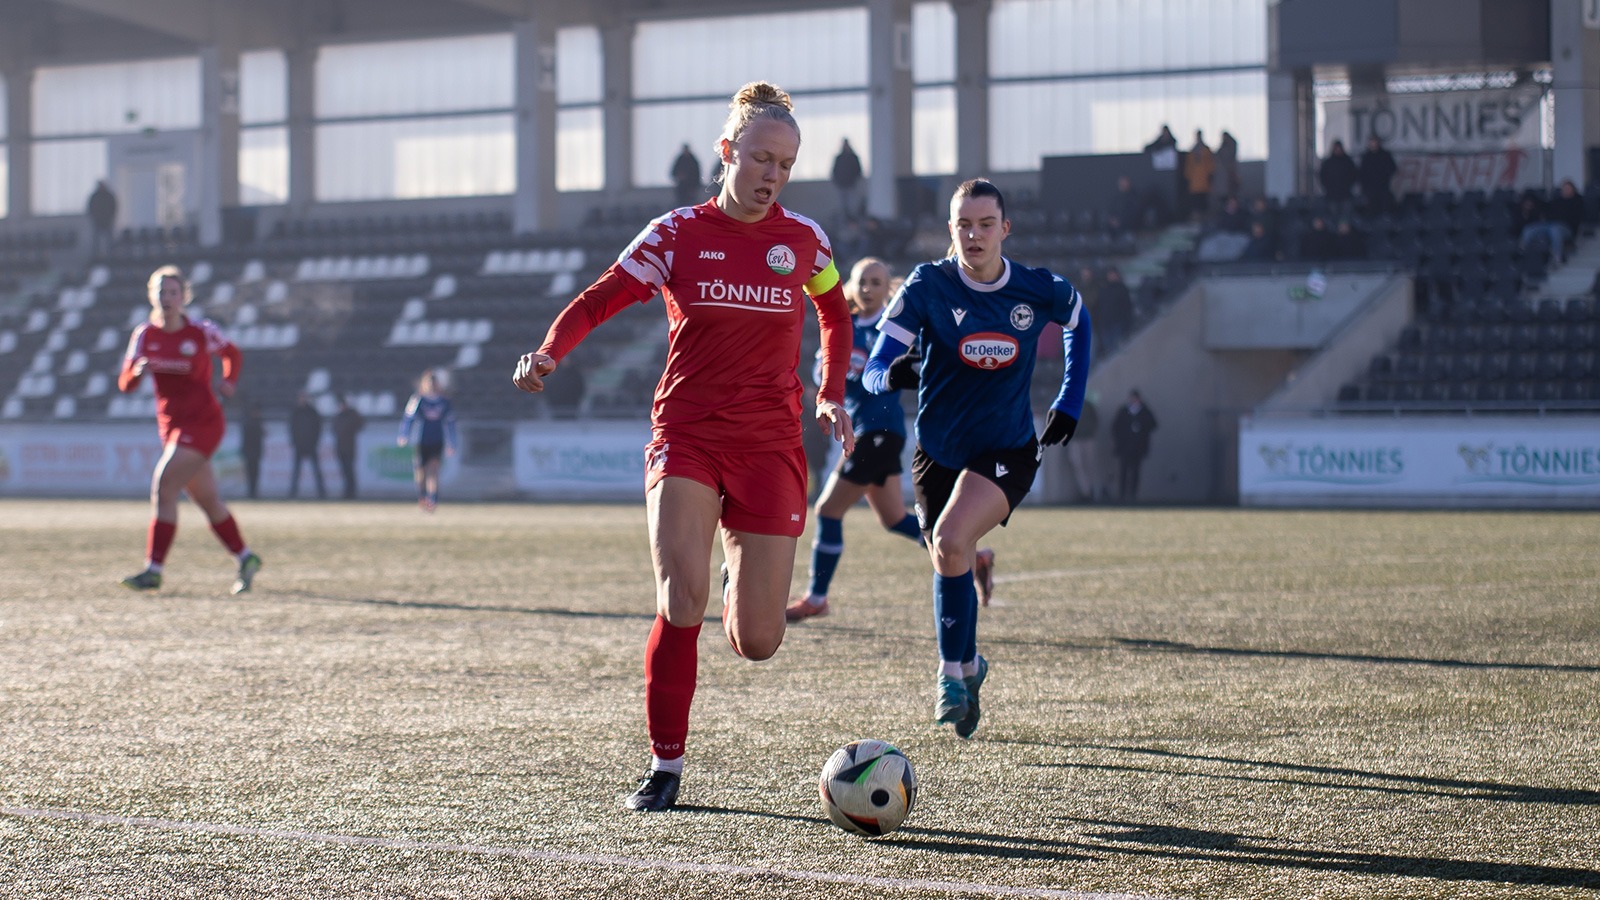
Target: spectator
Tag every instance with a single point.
(1198, 168)
(1261, 211)
(305, 434)
(102, 212)
(1338, 178)
(1226, 182)
(252, 440)
(1081, 451)
(1348, 242)
(1163, 155)
(1130, 443)
(1263, 247)
(686, 178)
(1115, 312)
(1317, 244)
(1377, 175)
(347, 425)
(847, 178)
(1232, 217)
(1126, 212)
(1556, 223)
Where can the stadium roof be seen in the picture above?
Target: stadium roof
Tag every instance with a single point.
(57, 32)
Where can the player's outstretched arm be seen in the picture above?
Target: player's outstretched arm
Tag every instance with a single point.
(531, 370)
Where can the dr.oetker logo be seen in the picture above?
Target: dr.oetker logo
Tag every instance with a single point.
(989, 350)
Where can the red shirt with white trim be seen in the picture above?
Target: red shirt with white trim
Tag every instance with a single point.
(734, 293)
(180, 362)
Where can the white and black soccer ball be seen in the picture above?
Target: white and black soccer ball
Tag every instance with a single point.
(868, 787)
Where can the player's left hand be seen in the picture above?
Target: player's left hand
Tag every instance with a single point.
(225, 388)
(1058, 428)
(832, 418)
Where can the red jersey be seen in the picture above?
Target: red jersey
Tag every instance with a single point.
(733, 292)
(180, 362)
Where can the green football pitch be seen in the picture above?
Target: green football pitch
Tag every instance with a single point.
(1183, 704)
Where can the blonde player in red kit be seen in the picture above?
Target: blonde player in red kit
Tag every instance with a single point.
(176, 352)
(725, 426)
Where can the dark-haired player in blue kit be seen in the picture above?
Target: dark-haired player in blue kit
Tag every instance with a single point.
(978, 318)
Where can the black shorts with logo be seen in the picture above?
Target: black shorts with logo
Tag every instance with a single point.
(1012, 471)
(876, 457)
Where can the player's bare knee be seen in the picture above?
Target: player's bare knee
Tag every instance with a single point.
(950, 553)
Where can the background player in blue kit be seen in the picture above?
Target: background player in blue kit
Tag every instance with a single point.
(978, 318)
(872, 469)
(435, 438)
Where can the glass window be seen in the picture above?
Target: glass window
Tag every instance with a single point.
(263, 88)
(1097, 116)
(580, 149)
(933, 128)
(409, 159)
(117, 97)
(933, 43)
(64, 172)
(1074, 37)
(579, 66)
(682, 58)
(263, 166)
(825, 120)
(407, 77)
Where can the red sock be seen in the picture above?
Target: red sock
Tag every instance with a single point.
(227, 532)
(159, 541)
(671, 660)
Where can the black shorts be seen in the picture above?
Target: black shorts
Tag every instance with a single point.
(1011, 470)
(422, 454)
(876, 457)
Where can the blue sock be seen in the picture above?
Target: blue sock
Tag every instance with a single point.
(825, 552)
(908, 527)
(955, 612)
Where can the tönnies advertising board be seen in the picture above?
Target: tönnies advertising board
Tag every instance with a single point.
(1533, 461)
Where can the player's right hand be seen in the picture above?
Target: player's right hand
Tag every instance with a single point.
(531, 369)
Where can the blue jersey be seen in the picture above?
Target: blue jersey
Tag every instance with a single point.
(438, 420)
(979, 344)
(869, 412)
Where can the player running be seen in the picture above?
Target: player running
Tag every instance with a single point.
(435, 439)
(978, 318)
(725, 425)
(873, 470)
(176, 352)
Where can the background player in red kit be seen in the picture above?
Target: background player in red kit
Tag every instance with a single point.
(725, 426)
(176, 352)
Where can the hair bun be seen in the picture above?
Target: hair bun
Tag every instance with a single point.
(763, 92)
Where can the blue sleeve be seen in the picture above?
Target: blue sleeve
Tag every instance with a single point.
(408, 418)
(450, 424)
(1075, 343)
(875, 377)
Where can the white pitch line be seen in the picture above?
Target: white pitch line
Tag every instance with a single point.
(625, 862)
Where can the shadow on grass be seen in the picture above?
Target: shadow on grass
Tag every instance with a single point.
(1135, 838)
(1181, 647)
(1382, 782)
(972, 843)
(471, 607)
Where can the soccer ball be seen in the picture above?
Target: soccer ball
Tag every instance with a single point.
(868, 787)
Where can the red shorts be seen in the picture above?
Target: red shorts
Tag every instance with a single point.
(762, 492)
(202, 437)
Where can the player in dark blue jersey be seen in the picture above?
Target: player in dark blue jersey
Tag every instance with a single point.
(872, 469)
(435, 437)
(978, 318)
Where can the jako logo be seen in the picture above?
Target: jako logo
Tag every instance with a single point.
(988, 350)
(712, 254)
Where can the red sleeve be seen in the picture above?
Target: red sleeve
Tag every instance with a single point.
(600, 301)
(232, 360)
(126, 380)
(833, 318)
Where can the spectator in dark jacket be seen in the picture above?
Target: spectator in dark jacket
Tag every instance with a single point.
(347, 425)
(1316, 245)
(1377, 177)
(1113, 316)
(305, 433)
(1263, 247)
(1348, 242)
(1338, 177)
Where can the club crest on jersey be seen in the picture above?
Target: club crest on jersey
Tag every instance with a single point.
(988, 350)
(1022, 317)
(780, 259)
(188, 348)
